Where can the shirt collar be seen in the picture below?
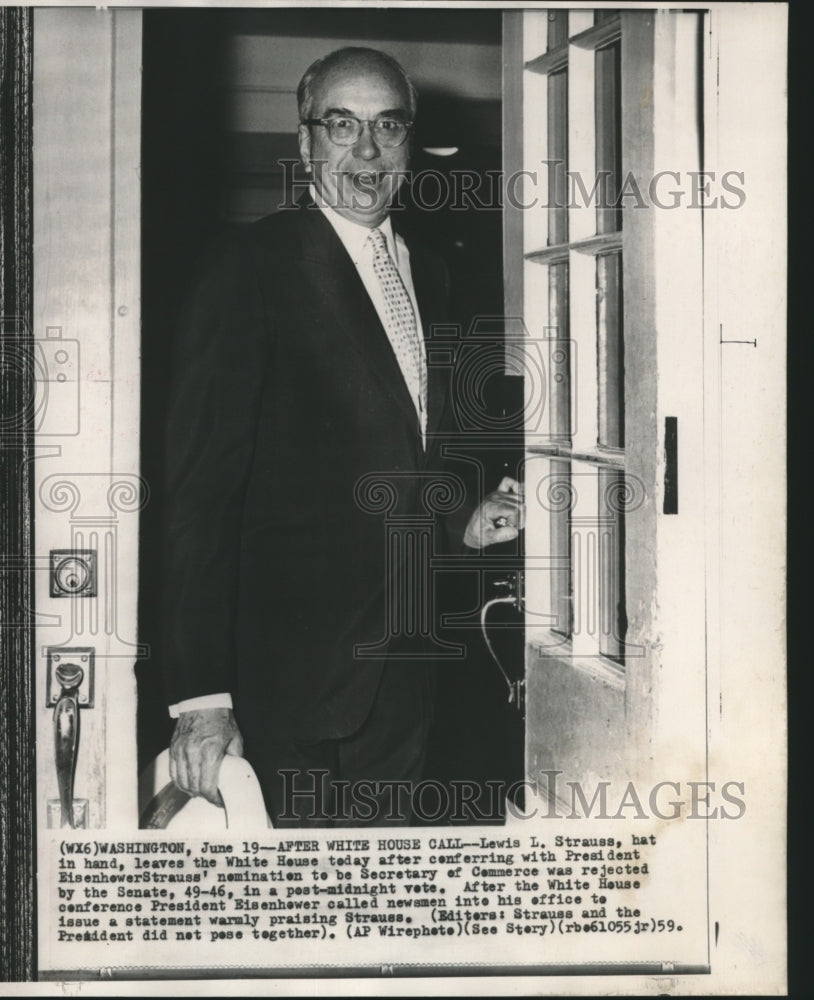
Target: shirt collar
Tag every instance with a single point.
(352, 234)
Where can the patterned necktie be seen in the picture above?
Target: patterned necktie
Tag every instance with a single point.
(401, 325)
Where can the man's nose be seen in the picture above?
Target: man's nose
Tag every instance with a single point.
(365, 147)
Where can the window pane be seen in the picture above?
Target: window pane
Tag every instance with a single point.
(558, 157)
(561, 599)
(612, 611)
(608, 93)
(610, 350)
(559, 355)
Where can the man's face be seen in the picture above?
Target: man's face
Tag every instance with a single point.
(358, 181)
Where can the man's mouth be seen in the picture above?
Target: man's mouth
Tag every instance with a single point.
(366, 179)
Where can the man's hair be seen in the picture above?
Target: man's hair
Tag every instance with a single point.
(312, 76)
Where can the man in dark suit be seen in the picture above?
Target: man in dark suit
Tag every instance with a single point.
(301, 370)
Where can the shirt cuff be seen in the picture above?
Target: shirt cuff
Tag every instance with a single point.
(205, 701)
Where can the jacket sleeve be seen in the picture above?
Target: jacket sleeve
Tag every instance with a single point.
(222, 353)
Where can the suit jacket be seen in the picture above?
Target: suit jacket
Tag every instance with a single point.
(287, 392)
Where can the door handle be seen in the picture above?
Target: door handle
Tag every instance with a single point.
(671, 465)
(66, 736)
(70, 683)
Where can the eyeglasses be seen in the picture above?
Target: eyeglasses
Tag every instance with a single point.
(345, 130)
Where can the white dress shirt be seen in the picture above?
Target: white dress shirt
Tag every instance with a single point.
(354, 239)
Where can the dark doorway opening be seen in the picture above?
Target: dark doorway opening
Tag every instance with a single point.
(206, 170)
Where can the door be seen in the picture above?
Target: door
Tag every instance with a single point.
(604, 265)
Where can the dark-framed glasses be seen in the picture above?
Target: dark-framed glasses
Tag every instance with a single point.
(344, 130)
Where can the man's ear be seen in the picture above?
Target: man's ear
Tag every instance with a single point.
(304, 138)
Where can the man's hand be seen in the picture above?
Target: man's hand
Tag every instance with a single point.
(199, 742)
(499, 518)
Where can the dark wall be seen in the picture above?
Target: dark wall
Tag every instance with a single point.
(182, 156)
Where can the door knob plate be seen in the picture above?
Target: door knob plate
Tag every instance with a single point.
(63, 656)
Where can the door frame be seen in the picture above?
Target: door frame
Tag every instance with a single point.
(18, 907)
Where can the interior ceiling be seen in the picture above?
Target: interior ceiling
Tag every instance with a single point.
(422, 24)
